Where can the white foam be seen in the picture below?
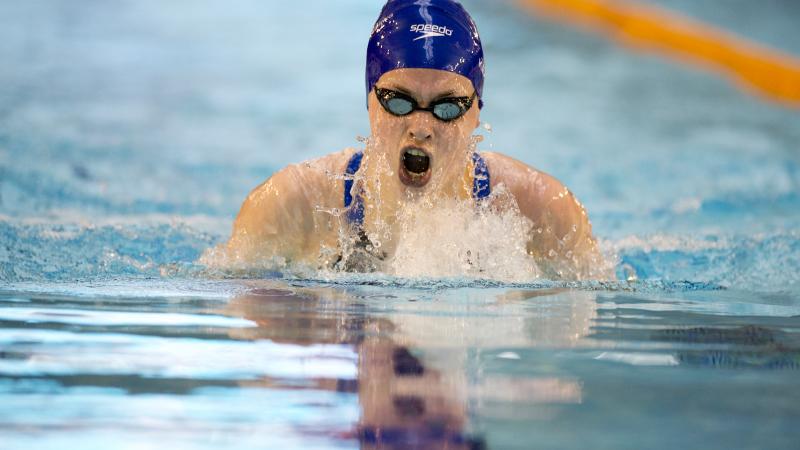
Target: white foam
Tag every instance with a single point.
(449, 238)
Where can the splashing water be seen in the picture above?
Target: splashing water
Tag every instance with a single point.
(430, 233)
(153, 136)
(451, 238)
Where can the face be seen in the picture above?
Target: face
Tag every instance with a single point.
(423, 154)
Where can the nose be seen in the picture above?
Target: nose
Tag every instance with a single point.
(420, 126)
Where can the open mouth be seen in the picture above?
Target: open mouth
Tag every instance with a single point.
(415, 167)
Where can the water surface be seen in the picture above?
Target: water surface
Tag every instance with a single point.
(130, 132)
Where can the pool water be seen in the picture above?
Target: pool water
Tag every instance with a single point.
(130, 132)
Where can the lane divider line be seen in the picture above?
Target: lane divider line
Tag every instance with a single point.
(754, 67)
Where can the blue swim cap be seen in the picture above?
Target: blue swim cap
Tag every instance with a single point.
(425, 34)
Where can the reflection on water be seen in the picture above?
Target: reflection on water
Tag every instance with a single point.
(125, 359)
(697, 338)
(304, 365)
(403, 403)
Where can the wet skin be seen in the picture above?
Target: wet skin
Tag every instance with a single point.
(289, 214)
(445, 143)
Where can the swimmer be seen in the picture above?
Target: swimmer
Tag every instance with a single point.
(424, 86)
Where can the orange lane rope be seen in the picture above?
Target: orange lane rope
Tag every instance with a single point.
(769, 72)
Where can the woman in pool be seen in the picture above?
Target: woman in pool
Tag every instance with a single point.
(350, 210)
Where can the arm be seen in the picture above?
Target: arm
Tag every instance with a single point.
(274, 220)
(280, 218)
(561, 236)
(566, 232)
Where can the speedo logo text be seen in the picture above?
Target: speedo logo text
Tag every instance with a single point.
(430, 30)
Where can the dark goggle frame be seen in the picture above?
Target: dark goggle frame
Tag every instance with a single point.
(445, 109)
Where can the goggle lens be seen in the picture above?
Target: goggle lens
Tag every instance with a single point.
(399, 106)
(447, 111)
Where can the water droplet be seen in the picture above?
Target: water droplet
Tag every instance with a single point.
(629, 273)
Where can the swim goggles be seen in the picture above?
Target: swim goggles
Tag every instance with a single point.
(445, 109)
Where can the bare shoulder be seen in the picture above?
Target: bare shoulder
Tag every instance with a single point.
(325, 168)
(561, 221)
(306, 180)
(289, 197)
(527, 183)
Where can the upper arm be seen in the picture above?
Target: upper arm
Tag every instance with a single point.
(281, 216)
(567, 218)
(276, 218)
(561, 227)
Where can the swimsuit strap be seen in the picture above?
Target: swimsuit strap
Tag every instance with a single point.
(355, 214)
(481, 186)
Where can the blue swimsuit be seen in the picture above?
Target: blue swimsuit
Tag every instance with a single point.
(480, 186)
